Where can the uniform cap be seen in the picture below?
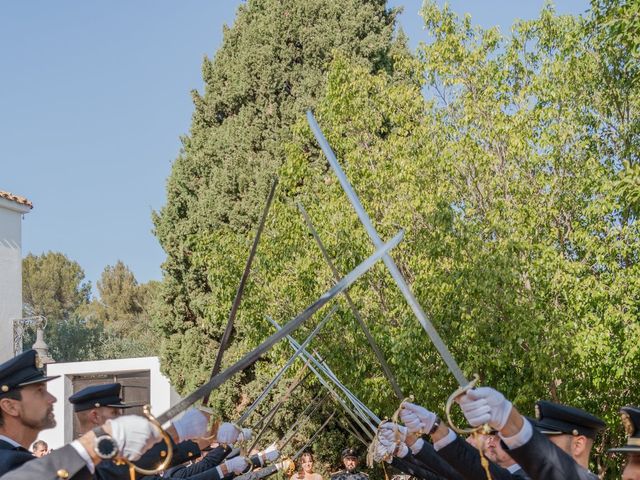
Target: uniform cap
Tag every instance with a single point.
(630, 417)
(21, 370)
(556, 419)
(95, 396)
(349, 452)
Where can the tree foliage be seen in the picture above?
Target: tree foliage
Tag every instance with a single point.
(504, 159)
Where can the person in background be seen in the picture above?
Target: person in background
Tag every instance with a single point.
(40, 448)
(305, 472)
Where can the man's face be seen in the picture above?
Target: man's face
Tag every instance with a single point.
(350, 463)
(40, 450)
(107, 413)
(36, 407)
(563, 442)
(632, 468)
(494, 452)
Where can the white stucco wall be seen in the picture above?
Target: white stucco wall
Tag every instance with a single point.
(162, 395)
(10, 272)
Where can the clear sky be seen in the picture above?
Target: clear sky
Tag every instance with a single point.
(94, 97)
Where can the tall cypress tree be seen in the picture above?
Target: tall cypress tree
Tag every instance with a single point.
(271, 66)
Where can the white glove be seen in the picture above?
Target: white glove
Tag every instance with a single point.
(285, 465)
(245, 435)
(134, 435)
(237, 464)
(485, 405)
(193, 424)
(417, 419)
(271, 453)
(227, 433)
(392, 433)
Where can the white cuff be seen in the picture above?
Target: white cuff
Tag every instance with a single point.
(450, 437)
(85, 455)
(520, 438)
(219, 470)
(417, 446)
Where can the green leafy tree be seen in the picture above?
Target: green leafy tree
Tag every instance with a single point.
(123, 308)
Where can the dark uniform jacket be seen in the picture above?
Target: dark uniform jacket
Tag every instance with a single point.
(63, 463)
(207, 464)
(346, 475)
(413, 467)
(182, 452)
(466, 460)
(543, 460)
(12, 457)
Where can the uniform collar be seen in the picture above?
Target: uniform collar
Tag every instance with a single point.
(10, 441)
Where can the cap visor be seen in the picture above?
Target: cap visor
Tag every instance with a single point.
(38, 380)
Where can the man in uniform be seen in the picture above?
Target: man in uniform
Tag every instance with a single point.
(631, 422)
(350, 462)
(557, 449)
(26, 408)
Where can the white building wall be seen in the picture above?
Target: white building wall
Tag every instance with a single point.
(162, 395)
(10, 272)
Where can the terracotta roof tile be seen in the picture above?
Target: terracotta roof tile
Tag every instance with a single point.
(16, 198)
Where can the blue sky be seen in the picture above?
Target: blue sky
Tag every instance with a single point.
(94, 97)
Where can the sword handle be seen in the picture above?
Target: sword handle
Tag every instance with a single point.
(451, 400)
(133, 468)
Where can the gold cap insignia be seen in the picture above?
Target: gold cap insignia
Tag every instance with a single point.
(629, 428)
(38, 361)
(5, 388)
(537, 410)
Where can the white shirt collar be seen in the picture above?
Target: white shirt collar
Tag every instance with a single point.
(514, 468)
(10, 441)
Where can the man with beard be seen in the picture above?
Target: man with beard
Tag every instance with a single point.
(350, 462)
(26, 408)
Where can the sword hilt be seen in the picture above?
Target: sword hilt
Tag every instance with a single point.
(485, 429)
(133, 468)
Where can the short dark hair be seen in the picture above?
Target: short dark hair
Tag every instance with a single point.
(12, 394)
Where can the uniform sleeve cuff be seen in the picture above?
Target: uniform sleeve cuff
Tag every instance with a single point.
(520, 438)
(417, 446)
(85, 455)
(450, 437)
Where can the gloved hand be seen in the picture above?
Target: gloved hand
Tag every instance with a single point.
(237, 464)
(271, 453)
(417, 419)
(391, 433)
(485, 405)
(286, 465)
(193, 424)
(245, 434)
(385, 452)
(227, 433)
(133, 434)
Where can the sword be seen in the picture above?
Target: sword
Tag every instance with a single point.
(297, 454)
(260, 350)
(286, 438)
(388, 261)
(226, 337)
(336, 397)
(374, 346)
(293, 358)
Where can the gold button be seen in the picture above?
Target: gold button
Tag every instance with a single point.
(62, 473)
(163, 453)
(97, 405)
(575, 432)
(190, 454)
(5, 388)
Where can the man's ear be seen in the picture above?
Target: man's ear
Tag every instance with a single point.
(10, 407)
(578, 445)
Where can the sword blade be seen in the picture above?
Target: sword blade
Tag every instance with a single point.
(388, 261)
(226, 336)
(313, 437)
(292, 359)
(261, 349)
(374, 346)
